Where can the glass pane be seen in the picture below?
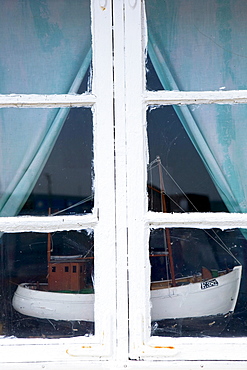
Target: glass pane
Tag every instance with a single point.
(195, 277)
(47, 284)
(47, 49)
(46, 161)
(153, 82)
(186, 181)
(197, 44)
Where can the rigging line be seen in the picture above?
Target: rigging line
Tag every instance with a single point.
(168, 196)
(176, 204)
(222, 245)
(73, 205)
(220, 242)
(88, 252)
(167, 172)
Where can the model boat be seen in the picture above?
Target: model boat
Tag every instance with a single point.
(66, 296)
(37, 301)
(196, 298)
(204, 294)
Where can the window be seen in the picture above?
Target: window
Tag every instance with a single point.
(146, 227)
(64, 120)
(83, 124)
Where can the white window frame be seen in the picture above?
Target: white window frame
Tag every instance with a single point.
(124, 270)
(70, 352)
(177, 352)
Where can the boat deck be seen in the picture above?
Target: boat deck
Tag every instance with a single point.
(164, 284)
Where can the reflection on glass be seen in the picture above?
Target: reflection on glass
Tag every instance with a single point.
(187, 184)
(47, 284)
(197, 284)
(198, 45)
(46, 161)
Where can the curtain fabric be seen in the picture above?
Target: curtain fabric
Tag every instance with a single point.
(201, 45)
(45, 49)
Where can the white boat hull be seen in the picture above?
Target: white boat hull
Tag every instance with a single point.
(217, 296)
(214, 297)
(42, 304)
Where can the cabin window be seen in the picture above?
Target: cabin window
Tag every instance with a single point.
(122, 183)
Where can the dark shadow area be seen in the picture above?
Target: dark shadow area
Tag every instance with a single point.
(25, 260)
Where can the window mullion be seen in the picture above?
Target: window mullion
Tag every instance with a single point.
(136, 176)
(120, 181)
(104, 232)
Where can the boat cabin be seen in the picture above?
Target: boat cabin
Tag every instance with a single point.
(67, 275)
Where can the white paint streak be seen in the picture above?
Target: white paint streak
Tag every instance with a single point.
(196, 97)
(46, 224)
(46, 101)
(219, 220)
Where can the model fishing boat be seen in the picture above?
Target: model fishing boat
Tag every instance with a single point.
(207, 293)
(196, 297)
(66, 295)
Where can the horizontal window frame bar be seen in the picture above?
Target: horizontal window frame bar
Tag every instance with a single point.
(47, 101)
(197, 220)
(195, 349)
(164, 97)
(47, 224)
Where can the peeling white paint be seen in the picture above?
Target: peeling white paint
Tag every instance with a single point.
(47, 224)
(46, 101)
(195, 97)
(219, 220)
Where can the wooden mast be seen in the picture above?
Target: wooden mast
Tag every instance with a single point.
(49, 243)
(166, 231)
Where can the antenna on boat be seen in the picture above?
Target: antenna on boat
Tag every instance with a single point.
(167, 239)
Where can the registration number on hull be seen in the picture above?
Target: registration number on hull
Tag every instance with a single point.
(209, 284)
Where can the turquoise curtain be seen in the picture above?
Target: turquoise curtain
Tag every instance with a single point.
(45, 49)
(201, 45)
